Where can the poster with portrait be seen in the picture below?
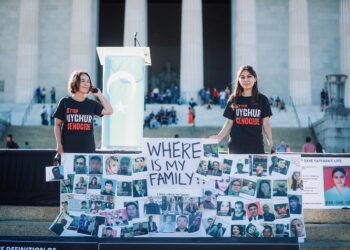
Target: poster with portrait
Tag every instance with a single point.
(326, 182)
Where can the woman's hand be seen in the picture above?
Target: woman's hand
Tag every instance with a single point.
(224, 131)
(107, 108)
(216, 137)
(96, 92)
(59, 149)
(268, 132)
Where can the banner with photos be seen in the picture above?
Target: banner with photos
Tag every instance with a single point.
(180, 188)
(326, 182)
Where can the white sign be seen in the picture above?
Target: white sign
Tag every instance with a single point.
(326, 182)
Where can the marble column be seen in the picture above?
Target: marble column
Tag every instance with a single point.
(83, 37)
(246, 47)
(299, 53)
(191, 72)
(233, 42)
(344, 22)
(135, 20)
(27, 57)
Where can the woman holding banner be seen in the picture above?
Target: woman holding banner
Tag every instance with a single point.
(248, 113)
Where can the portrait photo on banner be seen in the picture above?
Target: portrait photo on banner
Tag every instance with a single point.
(337, 186)
(54, 173)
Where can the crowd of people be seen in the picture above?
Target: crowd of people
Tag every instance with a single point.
(168, 96)
(162, 117)
(206, 96)
(40, 95)
(216, 97)
(307, 147)
(283, 148)
(46, 115)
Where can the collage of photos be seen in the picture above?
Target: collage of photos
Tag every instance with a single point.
(253, 195)
(92, 186)
(244, 196)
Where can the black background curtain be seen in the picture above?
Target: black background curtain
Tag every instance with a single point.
(22, 178)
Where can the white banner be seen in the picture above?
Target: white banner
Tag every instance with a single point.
(181, 188)
(326, 182)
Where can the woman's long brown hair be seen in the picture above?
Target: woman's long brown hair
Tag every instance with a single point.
(238, 88)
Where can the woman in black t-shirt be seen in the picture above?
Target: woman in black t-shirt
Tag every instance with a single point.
(248, 113)
(74, 116)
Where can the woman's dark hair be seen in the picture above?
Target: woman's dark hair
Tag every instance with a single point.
(217, 186)
(338, 169)
(238, 88)
(219, 206)
(92, 179)
(74, 81)
(240, 228)
(260, 194)
(249, 226)
(294, 185)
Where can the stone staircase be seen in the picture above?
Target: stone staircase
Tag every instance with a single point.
(204, 117)
(34, 118)
(16, 112)
(309, 114)
(42, 137)
(325, 229)
(26, 220)
(214, 117)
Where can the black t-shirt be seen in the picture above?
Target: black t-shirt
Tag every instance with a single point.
(247, 119)
(78, 130)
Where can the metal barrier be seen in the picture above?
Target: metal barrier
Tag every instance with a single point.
(294, 110)
(28, 109)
